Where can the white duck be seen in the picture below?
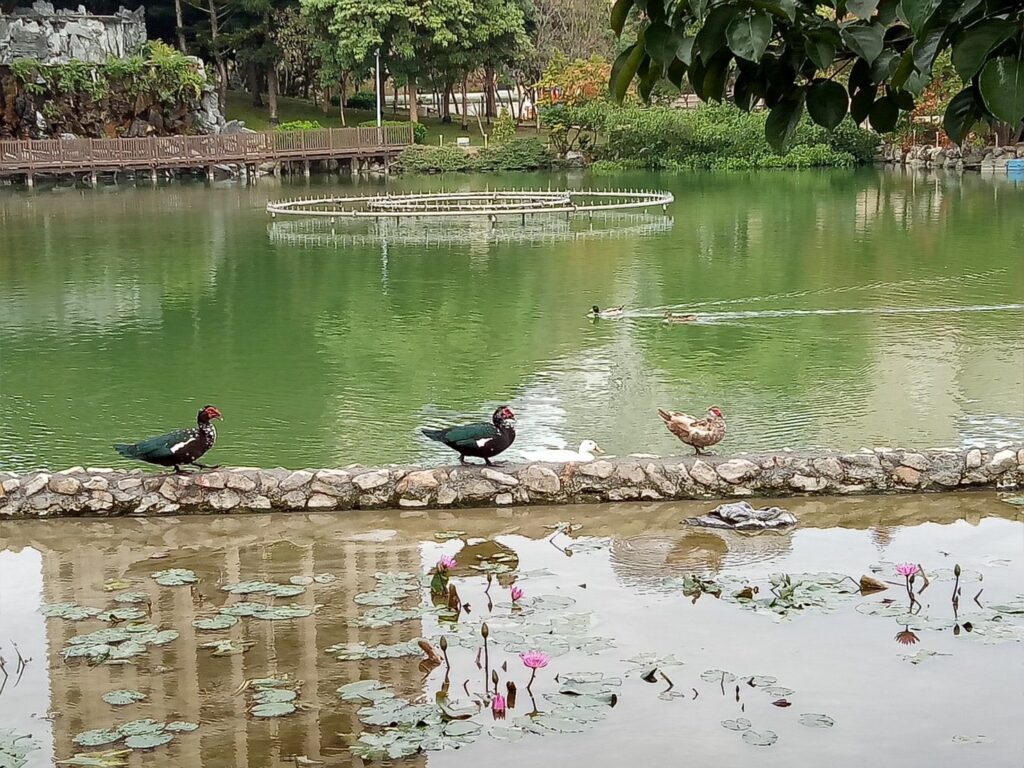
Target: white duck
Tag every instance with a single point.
(586, 453)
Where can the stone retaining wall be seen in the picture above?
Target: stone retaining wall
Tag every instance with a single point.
(987, 160)
(107, 492)
(58, 37)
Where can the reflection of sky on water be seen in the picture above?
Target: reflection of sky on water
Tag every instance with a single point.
(25, 704)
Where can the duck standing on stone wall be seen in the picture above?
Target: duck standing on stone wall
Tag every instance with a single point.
(699, 433)
(482, 440)
(182, 446)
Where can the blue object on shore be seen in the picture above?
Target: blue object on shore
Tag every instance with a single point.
(1015, 165)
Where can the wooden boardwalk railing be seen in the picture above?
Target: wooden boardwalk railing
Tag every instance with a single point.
(76, 155)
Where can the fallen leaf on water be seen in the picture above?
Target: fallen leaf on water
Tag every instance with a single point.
(782, 703)
(871, 584)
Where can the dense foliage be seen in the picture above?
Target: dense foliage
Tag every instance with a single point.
(871, 59)
(159, 70)
(710, 137)
(520, 154)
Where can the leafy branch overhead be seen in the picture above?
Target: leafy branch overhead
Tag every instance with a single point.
(870, 59)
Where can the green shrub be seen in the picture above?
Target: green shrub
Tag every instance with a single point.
(515, 155)
(300, 125)
(362, 100)
(419, 130)
(713, 136)
(504, 128)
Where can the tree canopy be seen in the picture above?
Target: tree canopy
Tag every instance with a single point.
(871, 59)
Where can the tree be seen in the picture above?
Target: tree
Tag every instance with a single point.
(867, 58)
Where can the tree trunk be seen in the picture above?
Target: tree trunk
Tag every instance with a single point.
(253, 76)
(272, 92)
(342, 96)
(394, 103)
(446, 103)
(414, 112)
(536, 111)
(489, 94)
(218, 55)
(179, 26)
(465, 102)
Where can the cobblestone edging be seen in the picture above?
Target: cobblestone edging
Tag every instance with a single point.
(106, 492)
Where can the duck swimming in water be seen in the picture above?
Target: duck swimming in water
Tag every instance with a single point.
(586, 453)
(610, 312)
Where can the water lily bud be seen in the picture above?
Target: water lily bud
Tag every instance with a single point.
(494, 676)
(956, 570)
(484, 631)
(444, 643)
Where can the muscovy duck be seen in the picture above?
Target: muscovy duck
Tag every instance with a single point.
(183, 446)
(699, 433)
(610, 312)
(481, 440)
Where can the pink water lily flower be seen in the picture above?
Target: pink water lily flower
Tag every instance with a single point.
(534, 659)
(517, 594)
(906, 569)
(498, 707)
(446, 563)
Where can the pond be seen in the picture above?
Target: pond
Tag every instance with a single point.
(229, 637)
(837, 309)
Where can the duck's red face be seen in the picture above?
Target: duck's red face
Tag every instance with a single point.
(504, 414)
(713, 410)
(212, 413)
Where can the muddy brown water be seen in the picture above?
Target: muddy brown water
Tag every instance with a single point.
(959, 708)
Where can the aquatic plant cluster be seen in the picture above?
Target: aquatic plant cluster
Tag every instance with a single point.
(510, 679)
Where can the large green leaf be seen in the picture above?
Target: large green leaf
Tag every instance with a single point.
(661, 43)
(864, 39)
(619, 13)
(884, 114)
(685, 50)
(782, 123)
(1002, 87)
(821, 52)
(918, 12)
(676, 73)
(925, 50)
(711, 37)
(742, 93)
(862, 9)
(625, 68)
(748, 35)
(716, 75)
(860, 104)
(827, 103)
(974, 46)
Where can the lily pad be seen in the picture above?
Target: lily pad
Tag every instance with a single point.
(717, 676)
(244, 608)
(131, 597)
(69, 611)
(302, 581)
(148, 740)
(113, 635)
(921, 655)
(812, 720)
(114, 585)
(365, 690)
(122, 614)
(778, 691)
(121, 698)
(505, 733)
(15, 748)
(220, 621)
(226, 647)
(181, 726)
(126, 650)
(97, 737)
(447, 535)
(760, 738)
(762, 681)
(356, 652)
(140, 727)
(141, 628)
(273, 709)
(270, 682)
(274, 695)
(739, 724)
(284, 613)
(395, 711)
(164, 636)
(325, 578)
(175, 577)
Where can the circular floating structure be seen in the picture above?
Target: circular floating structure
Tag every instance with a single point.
(489, 204)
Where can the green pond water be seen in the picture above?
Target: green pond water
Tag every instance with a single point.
(832, 677)
(841, 309)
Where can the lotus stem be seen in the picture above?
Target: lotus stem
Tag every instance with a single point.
(529, 685)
